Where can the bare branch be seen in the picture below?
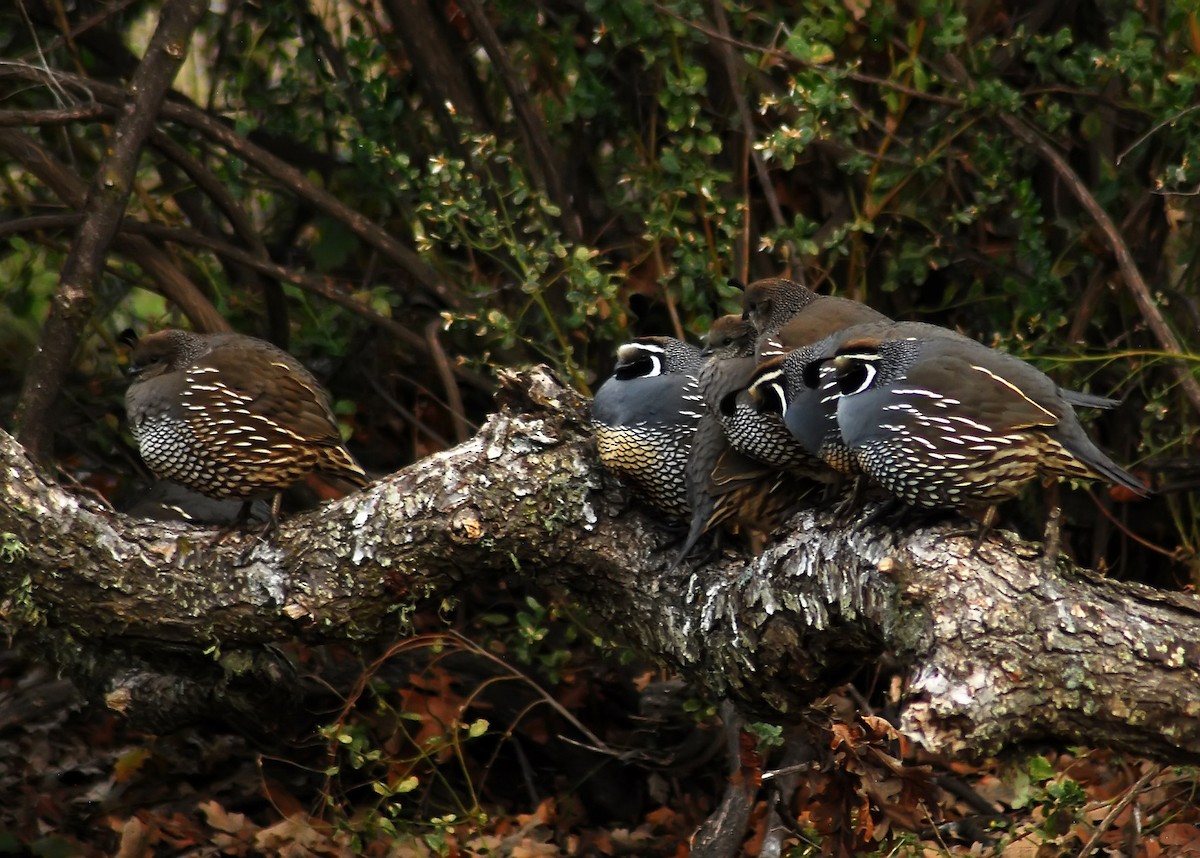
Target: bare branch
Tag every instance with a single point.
(72, 305)
(421, 273)
(172, 282)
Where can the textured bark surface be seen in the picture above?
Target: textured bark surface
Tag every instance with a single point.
(995, 650)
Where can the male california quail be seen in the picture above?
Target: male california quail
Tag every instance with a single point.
(788, 315)
(231, 416)
(760, 435)
(809, 414)
(805, 391)
(946, 422)
(645, 417)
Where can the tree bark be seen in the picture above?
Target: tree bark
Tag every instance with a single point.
(994, 650)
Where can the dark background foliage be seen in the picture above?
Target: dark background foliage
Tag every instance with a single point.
(408, 195)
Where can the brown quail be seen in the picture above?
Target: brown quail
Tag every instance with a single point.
(231, 416)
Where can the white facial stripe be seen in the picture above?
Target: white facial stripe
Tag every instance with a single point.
(781, 397)
(865, 357)
(868, 378)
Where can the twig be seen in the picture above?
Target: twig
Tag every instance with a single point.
(1125, 262)
(172, 282)
(533, 127)
(1116, 242)
(132, 237)
(1117, 809)
(792, 59)
(457, 413)
(61, 116)
(760, 168)
(239, 221)
(272, 166)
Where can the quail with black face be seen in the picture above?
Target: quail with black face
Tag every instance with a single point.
(645, 417)
(808, 413)
(946, 422)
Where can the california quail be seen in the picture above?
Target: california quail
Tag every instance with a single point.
(645, 417)
(806, 393)
(808, 413)
(942, 421)
(728, 369)
(727, 485)
(787, 314)
(231, 416)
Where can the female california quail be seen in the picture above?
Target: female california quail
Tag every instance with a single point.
(231, 416)
(730, 485)
(788, 315)
(942, 421)
(645, 416)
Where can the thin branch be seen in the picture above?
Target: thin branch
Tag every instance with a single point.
(1125, 262)
(239, 221)
(458, 412)
(172, 282)
(421, 273)
(73, 302)
(316, 285)
(1117, 809)
(59, 116)
(132, 233)
(760, 167)
(533, 127)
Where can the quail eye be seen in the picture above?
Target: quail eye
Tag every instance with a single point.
(141, 363)
(855, 376)
(643, 366)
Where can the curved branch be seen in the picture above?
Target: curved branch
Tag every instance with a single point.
(995, 650)
(1120, 249)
